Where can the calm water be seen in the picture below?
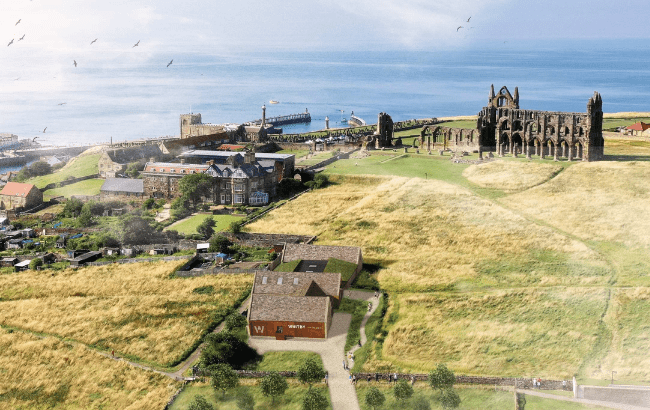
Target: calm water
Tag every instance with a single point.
(129, 97)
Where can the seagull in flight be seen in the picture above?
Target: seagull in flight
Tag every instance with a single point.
(17, 22)
(459, 27)
(91, 43)
(170, 63)
(62, 103)
(136, 44)
(75, 62)
(44, 130)
(11, 42)
(16, 79)
(469, 18)
(21, 37)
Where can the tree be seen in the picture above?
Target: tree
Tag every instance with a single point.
(420, 403)
(86, 216)
(441, 378)
(274, 385)
(235, 321)
(245, 400)
(136, 231)
(133, 169)
(311, 372)
(289, 186)
(35, 263)
(449, 399)
(219, 243)
(226, 347)
(235, 227)
(403, 390)
(195, 186)
(206, 228)
(223, 377)
(314, 400)
(148, 203)
(200, 403)
(40, 168)
(375, 398)
(72, 207)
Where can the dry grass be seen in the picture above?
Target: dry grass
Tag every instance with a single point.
(595, 201)
(545, 332)
(511, 175)
(47, 373)
(630, 323)
(136, 309)
(429, 235)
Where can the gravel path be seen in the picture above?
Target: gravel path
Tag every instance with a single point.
(605, 404)
(331, 350)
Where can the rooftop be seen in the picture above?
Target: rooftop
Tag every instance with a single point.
(16, 189)
(298, 283)
(639, 126)
(293, 251)
(289, 308)
(123, 185)
(207, 154)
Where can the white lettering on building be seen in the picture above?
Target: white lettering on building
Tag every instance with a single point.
(296, 326)
(259, 329)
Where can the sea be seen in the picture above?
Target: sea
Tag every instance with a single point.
(128, 97)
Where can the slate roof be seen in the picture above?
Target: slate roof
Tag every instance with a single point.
(241, 170)
(293, 251)
(123, 185)
(308, 283)
(289, 308)
(17, 189)
(166, 167)
(196, 141)
(220, 156)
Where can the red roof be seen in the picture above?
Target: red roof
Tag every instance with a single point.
(639, 126)
(16, 189)
(230, 147)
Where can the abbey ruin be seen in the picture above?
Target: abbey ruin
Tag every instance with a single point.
(502, 127)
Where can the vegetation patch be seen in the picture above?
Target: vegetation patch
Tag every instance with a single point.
(285, 361)
(346, 269)
(288, 266)
(188, 225)
(358, 309)
(45, 372)
(136, 310)
(80, 166)
(87, 187)
(511, 175)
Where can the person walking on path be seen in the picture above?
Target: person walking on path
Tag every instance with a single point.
(113, 353)
(326, 377)
(344, 366)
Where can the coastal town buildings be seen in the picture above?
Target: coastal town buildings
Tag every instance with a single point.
(114, 162)
(638, 129)
(285, 163)
(124, 189)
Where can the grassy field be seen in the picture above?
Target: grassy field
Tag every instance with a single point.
(533, 256)
(315, 159)
(136, 310)
(188, 225)
(78, 167)
(47, 373)
(290, 400)
(87, 187)
(285, 361)
(299, 153)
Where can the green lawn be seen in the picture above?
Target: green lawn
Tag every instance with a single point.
(357, 308)
(539, 403)
(188, 225)
(87, 187)
(346, 269)
(288, 266)
(316, 158)
(78, 167)
(290, 400)
(285, 361)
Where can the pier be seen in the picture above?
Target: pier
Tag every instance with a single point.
(285, 119)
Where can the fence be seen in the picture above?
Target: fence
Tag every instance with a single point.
(266, 240)
(68, 182)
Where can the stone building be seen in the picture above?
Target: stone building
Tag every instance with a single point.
(638, 129)
(115, 161)
(504, 128)
(234, 182)
(507, 129)
(191, 126)
(123, 189)
(293, 304)
(16, 195)
(208, 141)
(285, 163)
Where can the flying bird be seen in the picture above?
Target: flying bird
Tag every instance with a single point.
(44, 130)
(17, 22)
(136, 44)
(170, 63)
(21, 37)
(469, 18)
(75, 62)
(61, 103)
(91, 43)
(11, 42)
(16, 79)
(459, 27)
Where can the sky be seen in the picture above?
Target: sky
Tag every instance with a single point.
(63, 26)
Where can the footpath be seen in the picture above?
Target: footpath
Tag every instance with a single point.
(605, 404)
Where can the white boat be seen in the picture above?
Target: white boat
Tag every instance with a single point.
(274, 102)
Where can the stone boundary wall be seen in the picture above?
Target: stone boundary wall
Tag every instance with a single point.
(175, 395)
(246, 222)
(492, 381)
(343, 155)
(266, 240)
(214, 271)
(68, 182)
(137, 260)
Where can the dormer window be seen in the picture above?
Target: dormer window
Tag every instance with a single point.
(280, 280)
(264, 280)
(295, 281)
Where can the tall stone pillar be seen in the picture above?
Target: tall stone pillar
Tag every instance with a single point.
(527, 151)
(555, 152)
(570, 152)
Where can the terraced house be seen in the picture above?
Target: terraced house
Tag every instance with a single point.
(240, 180)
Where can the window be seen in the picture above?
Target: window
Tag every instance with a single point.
(264, 280)
(295, 281)
(182, 171)
(279, 329)
(239, 199)
(239, 188)
(172, 170)
(280, 280)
